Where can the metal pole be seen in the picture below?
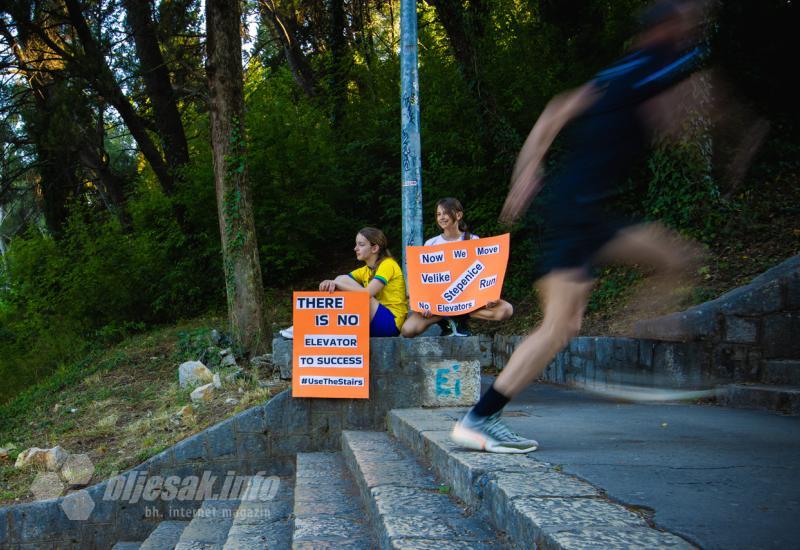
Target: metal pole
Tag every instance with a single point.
(409, 125)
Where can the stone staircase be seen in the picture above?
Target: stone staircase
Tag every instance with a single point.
(747, 338)
(778, 389)
(375, 493)
(412, 488)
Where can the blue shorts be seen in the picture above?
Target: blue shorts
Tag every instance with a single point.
(383, 323)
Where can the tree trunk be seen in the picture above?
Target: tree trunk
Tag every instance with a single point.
(338, 61)
(57, 164)
(237, 229)
(94, 68)
(157, 83)
(59, 161)
(284, 30)
(465, 27)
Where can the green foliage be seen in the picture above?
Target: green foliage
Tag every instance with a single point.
(93, 286)
(612, 286)
(294, 164)
(681, 191)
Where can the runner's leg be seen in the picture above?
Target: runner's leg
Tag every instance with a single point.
(564, 294)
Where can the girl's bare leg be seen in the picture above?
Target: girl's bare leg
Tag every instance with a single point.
(416, 324)
(498, 311)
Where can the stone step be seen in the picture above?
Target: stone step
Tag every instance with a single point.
(165, 536)
(535, 504)
(782, 371)
(406, 505)
(784, 399)
(209, 527)
(264, 517)
(126, 545)
(328, 512)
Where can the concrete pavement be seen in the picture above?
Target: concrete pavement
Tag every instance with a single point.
(721, 478)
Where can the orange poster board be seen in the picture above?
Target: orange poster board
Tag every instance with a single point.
(458, 277)
(331, 345)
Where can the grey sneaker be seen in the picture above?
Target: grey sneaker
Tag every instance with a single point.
(461, 326)
(490, 434)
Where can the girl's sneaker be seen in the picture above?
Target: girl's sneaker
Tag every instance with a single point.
(454, 326)
(461, 326)
(287, 333)
(447, 328)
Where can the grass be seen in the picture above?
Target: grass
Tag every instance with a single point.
(125, 401)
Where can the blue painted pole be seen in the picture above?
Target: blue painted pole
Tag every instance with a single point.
(411, 179)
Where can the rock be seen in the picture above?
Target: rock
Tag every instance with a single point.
(192, 373)
(4, 453)
(46, 459)
(224, 352)
(56, 407)
(231, 401)
(228, 361)
(271, 383)
(77, 470)
(216, 381)
(203, 393)
(73, 410)
(241, 390)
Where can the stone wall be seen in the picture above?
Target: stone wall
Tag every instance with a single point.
(403, 373)
(727, 340)
(764, 314)
(600, 361)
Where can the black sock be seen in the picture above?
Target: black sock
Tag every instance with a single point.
(492, 401)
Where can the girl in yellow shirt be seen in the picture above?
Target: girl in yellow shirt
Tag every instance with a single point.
(381, 276)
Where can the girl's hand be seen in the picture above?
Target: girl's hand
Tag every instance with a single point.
(327, 286)
(490, 305)
(426, 313)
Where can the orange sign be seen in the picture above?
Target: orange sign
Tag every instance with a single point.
(331, 345)
(458, 277)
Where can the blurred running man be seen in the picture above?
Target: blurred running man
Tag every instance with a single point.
(607, 126)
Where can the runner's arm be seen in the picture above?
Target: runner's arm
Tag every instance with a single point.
(526, 177)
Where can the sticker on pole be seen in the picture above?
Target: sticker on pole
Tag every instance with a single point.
(331, 345)
(458, 277)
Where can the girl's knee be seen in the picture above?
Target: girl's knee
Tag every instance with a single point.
(407, 331)
(506, 311)
(413, 325)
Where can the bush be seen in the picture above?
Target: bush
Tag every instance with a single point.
(95, 285)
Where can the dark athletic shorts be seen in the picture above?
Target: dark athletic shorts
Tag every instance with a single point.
(575, 233)
(383, 323)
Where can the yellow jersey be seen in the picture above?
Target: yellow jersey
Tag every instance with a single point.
(393, 293)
